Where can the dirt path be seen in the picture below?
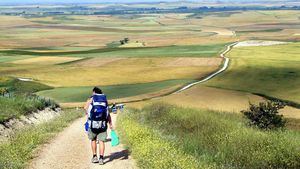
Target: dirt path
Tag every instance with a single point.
(71, 150)
(224, 67)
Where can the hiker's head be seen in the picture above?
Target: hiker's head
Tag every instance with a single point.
(97, 90)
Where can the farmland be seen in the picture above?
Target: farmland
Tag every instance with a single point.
(73, 53)
(276, 74)
(139, 54)
(57, 50)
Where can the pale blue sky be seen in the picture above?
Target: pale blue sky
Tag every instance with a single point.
(115, 1)
(74, 1)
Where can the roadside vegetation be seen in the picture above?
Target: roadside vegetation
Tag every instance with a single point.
(18, 105)
(20, 148)
(17, 98)
(214, 139)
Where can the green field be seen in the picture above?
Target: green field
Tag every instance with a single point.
(168, 51)
(271, 70)
(22, 87)
(204, 139)
(81, 94)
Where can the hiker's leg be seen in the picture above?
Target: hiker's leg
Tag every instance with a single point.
(94, 147)
(101, 148)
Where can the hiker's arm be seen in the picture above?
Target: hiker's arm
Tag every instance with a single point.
(110, 122)
(87, 104)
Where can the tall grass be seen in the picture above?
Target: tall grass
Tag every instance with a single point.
(220, 139)
(16, 152)
(151, 150)
(15, 106)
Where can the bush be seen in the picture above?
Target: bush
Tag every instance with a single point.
(265, 115)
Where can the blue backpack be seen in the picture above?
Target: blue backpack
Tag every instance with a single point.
(98, 115)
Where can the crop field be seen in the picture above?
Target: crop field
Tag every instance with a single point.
(270, 70)
(148, 56)
(80, 94)
(73, 53)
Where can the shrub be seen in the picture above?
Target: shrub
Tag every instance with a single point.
(265, 115)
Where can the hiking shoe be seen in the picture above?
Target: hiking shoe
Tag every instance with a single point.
(95, 159)
(101, 161)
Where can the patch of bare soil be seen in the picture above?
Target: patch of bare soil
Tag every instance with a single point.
(258, 43)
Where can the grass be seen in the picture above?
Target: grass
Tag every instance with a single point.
(214, 139)
(47, 60)
(270, 70)
(264, 30)
(11, 58)
(22, 87)
(80, 94)
(167, 51)
(21, 147)
(151, 151)
(108, 74)
(16, 106)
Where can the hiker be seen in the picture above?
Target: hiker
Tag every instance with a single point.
(98, 116)
(113, 108)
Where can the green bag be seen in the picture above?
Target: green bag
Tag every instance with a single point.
(114, 138)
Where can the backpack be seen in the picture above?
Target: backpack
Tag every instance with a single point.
(98, 115)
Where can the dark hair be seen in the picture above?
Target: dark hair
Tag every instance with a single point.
(97, 90)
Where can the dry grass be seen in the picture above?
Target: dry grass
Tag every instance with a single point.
(6, 21)
(213, 98)
(51, 60)
(194, 62)
(203, 97)
(96, 62)
(58, 76)
(133, 45)
(219, 31)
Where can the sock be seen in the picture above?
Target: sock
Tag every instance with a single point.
(95, 155)
(101, 157)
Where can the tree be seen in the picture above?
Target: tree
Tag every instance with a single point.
(126, 40)
(265, 115)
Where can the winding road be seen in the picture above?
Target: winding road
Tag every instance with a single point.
(224, 67)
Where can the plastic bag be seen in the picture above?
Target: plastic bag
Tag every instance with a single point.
(114, 138)
(86, 126)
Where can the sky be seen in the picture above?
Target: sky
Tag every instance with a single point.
(73, 1)
(102, 1)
